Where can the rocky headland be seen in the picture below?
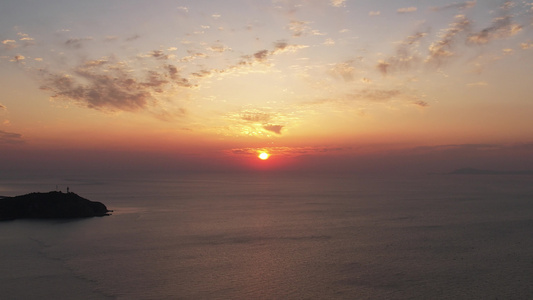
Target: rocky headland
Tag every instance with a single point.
(50, 205)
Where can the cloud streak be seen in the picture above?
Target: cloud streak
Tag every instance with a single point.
(288, 151)
(405, 10)
(10, 138)
(77, 43)
(460, 6)
(110, 85)
(273, 128)
(143, 82)
(258, 119)
(135, 83)
(406, 55)
(442, 49)
(376, 95)
(410, 54)
(345, 70)
(262, 56)
(338, 3)
(501, 27)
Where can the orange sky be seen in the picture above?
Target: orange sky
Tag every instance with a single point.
(324, 85)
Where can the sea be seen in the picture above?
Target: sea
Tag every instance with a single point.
(276, 236)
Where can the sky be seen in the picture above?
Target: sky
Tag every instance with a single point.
(320, 85)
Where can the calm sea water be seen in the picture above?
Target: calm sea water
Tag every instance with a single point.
(277, 237)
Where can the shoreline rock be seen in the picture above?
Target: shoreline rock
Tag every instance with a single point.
(51, 205)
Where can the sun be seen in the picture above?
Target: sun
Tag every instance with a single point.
(263, 155)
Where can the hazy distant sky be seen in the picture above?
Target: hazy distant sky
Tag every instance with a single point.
(354, 84)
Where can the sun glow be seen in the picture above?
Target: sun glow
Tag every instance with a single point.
(263, 155)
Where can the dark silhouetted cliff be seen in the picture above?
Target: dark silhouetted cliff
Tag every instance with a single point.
(50, 205)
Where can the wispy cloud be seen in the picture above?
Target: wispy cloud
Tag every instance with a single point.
(464, 5)
(329, 42)
(442, 49)
(447, 46)
(420, 103)
(273, 128)
(9, 44)
(24, 37)
(17, 58)
(284, 46)
(77, 43)
(406, 55)
(218, 47)
(439, 158)
(24, 40)
(133, 38)
(358, 98)
(376, 95)
(405, 10)
(263, 55)
(10, 138)
(288, 151)
(526, 46)
(111, 38)
(255, 122)
(254, 116)
(298, 28)
(501, 27)
(478, 84)
(159, 54)
(338, 3)
(345, 70)
(138, 83)
(458, 147)
(110, 85)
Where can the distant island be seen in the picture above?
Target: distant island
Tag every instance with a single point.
(473, 171)
(49, 206)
